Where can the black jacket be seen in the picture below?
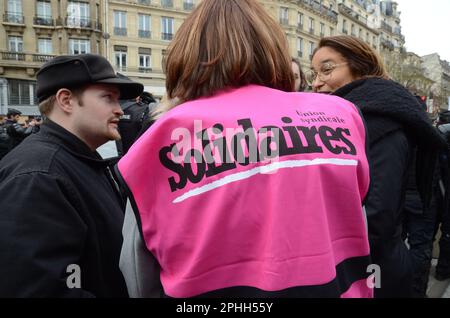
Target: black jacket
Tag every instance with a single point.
(16, 132)
(58, 207)
(396, 125)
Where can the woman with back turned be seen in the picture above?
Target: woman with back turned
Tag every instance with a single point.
(243, 187)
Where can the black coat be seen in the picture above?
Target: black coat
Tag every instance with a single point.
(58, 207)
(396, 125)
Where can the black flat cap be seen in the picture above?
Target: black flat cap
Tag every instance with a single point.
(72, 71)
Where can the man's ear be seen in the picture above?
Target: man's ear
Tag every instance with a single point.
(64, 100)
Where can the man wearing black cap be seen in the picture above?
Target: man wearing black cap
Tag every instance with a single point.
(16, 132)
(61, 219)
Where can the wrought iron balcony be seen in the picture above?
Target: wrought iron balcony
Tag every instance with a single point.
(13, 17)
(167, 36)
(46, 21)
(145, 69)
(120, 31)
(386, 26)
(284, 21)
(167, 3)
(188, 6)
(320, 9)
(79, 22)
(351, 13)
(144, 34)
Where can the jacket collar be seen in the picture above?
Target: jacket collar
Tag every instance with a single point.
(70, 142)
(390, 101)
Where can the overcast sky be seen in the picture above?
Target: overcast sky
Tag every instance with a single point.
(426, 26)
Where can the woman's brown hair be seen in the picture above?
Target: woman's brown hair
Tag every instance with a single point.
(362, 60)
(224, 44)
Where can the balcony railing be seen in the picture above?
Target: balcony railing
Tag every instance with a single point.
(146, 2)
(386, 26)
(167, 36)
(320, 9)
(13, 56)
(12, 17)
(188, 6)
(42, 58)
(47, 21)
(144, 34)
(20, 56)
(145, 69)
(167, 3)
(351, 13)
(388, 44)
(79, 22)
(120, 31)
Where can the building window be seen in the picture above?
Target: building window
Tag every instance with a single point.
(120, 57)
(167, 28)
(14, 13)
(300, 20)
(120, 23)
(45, 46)
(145, 60)
(144, 26)
(43, 9)
(163, 58)
(311, 25)
(43, 13)
(353, 30)
(331, 31)
(79, 46)
(311, 49)
(284, 16)
(21, 92)
(167, 3)
(188, 5)
(299, 47)
(344, 27)
(15, 44)
(78, 14)
(322, 29)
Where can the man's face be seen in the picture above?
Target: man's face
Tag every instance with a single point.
(96, 115)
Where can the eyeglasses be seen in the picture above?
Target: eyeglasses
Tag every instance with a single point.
(324, 74)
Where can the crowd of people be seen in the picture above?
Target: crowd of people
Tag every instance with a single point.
(238, 184)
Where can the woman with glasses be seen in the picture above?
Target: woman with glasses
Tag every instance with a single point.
(398, 128)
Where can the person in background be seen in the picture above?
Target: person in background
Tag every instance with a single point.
(136, 114)
(299, 76)
(201, 220)
(16, 131)
(398, 129)
(62, 213)
(443, 194)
